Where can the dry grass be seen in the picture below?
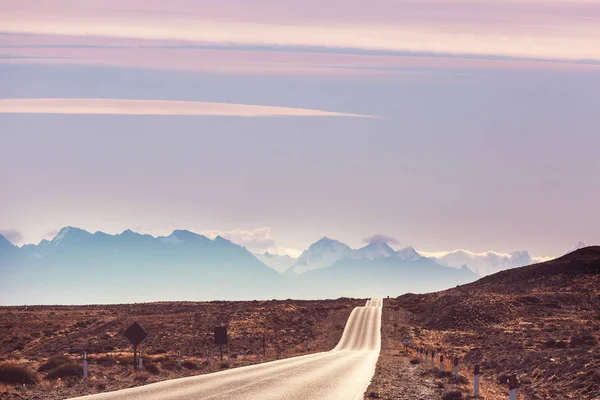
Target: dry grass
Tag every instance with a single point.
(57, 335)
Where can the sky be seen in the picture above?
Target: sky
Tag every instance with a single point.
(441, 124)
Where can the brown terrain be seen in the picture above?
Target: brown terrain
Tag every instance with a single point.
(541, 322)
(41, 346)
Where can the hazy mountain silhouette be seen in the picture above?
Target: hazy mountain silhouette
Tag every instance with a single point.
(279, 263)
(5, 246)
(404, 271)
(77, 266)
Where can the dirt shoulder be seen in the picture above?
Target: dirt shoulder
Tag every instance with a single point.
(42, 339)
(400, 373)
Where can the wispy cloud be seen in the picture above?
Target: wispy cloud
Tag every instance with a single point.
(257, 240)
(173, 55)
(561, 29)
(380, 239)
(155, 107)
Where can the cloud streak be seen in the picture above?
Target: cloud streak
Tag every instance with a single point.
(90, 106)
(566, 30)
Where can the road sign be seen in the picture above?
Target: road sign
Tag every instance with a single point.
(220, 335)
(136, 334)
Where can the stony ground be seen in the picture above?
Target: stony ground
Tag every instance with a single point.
(31, 336)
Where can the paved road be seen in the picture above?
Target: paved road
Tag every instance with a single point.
(343, 373)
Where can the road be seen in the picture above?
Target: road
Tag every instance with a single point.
(343, 373)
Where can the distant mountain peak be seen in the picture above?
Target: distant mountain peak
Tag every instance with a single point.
(409, 253)
(69, 232)
(374, 250)
(579, 245)
(5, 243)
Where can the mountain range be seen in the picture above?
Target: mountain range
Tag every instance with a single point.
(78, 267)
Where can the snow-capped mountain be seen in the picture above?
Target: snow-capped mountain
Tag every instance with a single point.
(408, 254)
(327, 252)
(374, 250)
(278, 262)
(486, 263)
(578, 246)
(321, 254)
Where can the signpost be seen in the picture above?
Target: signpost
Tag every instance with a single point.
(221, 338)
(136, 335)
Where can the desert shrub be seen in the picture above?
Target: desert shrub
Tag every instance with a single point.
(106, 361)
(224, 365)
(101, 387)
(124, 359)
(54, 362)
(141, 377)
(152, 368)
(169, 364)
(18, 347)
(13, 373)
(65, 371)
(189, 365)
(415, 361)
(445, 374)
(454, 395)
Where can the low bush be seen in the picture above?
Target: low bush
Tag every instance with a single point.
(189, 365)
(152, 368)
(454, 395)
(14, 373)
(105, 361)
(141, 377)
(169, 364)
(54, 362)
(65, 371)
(415, 361)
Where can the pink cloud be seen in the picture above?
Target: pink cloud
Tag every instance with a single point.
(133, 53)
(154, 107)
(567, 30)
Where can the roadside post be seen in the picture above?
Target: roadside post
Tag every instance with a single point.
(426, 356)
(512, 387)
(136, 335)
(264, 346)
(207, 357)
(141, 360)
(179, 359)
(245, 352)
(441, 363)
(456, 369)
(432, 360)
(476, 381)
(85, 365)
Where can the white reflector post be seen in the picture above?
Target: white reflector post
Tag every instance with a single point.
(512, 387)
(85, 366)
(476, 381)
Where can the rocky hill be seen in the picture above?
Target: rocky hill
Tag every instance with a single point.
(540, 321)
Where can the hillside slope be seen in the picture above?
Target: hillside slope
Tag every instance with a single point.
(540, 321)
